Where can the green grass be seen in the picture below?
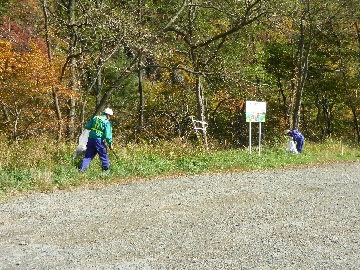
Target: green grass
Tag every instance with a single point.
(52, 167)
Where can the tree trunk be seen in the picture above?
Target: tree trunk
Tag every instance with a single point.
(73, 75)
(302, 72)
(141, 94)
(5, 112)
(354, 110)
(50, 56)
(201, 108)
(199, 97)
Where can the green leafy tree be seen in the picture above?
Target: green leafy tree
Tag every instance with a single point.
(98, 35)
(200, 29)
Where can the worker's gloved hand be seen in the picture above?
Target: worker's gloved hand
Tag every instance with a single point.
(111, 147)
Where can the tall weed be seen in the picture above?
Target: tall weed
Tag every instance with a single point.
(47, 165)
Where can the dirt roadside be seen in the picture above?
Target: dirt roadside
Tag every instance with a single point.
(301, 218)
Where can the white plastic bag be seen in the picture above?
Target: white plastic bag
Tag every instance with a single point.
(291, 147)
(81, 148)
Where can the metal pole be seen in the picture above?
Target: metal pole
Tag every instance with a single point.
(250, 137)
(259, 138)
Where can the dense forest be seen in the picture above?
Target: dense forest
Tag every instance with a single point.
(161, 63)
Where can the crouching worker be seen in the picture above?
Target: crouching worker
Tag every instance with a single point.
(100, 131)
(297, 137)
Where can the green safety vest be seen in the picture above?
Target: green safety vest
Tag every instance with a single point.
(97, 124)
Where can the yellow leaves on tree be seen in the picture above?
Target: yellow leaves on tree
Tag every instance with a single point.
(26, 80)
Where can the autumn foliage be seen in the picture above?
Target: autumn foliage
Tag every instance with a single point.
(159, 64)
(27, 83)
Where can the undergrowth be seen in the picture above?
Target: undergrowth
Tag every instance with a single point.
(45, 165)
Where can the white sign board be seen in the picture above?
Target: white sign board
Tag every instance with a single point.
(255, 111)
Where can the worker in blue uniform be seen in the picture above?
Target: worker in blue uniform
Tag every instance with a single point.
(100, 131)
(297, 137)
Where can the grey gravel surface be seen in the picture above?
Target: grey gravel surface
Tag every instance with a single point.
(304, 218)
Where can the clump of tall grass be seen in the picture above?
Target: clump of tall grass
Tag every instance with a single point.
(44, 164)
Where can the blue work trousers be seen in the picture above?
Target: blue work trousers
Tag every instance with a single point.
(93, 147)
(300, 144)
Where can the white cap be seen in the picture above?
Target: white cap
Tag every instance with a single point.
(287, 131)
(108, 111)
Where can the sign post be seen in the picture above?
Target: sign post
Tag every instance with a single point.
(255, 112)
(259, 138)
(250, 137)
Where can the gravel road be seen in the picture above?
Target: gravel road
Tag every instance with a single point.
(302, 218)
